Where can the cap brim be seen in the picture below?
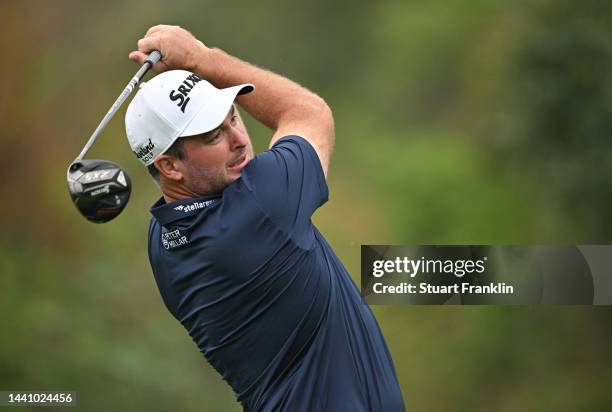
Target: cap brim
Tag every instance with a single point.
(214, 111)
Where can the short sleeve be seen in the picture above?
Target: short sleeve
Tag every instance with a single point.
(288, 183)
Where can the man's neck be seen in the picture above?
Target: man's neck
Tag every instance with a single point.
(173, 192)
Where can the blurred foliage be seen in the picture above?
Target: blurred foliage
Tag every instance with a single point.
(457, 122)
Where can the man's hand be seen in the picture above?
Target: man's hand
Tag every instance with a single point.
(179, 48)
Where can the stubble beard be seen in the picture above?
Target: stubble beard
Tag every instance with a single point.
(206, 181)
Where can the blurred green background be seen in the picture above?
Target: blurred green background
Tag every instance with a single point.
(472, 122)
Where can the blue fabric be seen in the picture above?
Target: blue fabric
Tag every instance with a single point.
(263, 295)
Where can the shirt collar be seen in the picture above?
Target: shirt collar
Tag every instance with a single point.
(179, 209)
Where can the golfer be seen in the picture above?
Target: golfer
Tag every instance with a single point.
(234, 253)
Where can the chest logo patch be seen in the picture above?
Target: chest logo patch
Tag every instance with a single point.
(174, 239)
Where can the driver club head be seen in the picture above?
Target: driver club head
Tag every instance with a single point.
(99, 189)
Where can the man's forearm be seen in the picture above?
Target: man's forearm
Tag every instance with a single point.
(274, 95)
(276, 102)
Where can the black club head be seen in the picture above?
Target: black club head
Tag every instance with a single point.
(99, 189)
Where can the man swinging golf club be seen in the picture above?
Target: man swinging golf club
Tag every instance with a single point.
(235, 255)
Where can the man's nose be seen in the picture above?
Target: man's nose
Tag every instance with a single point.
(239, 139)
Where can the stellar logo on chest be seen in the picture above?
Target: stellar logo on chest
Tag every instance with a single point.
(180, 94)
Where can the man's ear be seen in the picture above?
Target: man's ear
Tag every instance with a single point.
(168, 167)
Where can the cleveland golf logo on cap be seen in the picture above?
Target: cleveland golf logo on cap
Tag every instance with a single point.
(183, 91)
(144, 153)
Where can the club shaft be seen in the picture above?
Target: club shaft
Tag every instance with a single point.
(153, 58)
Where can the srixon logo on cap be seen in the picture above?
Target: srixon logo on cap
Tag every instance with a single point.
(183, 91)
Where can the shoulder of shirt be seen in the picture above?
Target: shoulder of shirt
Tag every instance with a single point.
(292, 138)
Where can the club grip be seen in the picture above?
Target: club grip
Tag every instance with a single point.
(153, 58)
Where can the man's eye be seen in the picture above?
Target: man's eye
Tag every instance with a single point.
(214, 137)
(234, 120)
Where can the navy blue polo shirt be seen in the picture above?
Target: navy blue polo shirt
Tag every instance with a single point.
(264, 296)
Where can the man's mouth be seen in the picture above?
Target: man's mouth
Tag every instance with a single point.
(239, 163)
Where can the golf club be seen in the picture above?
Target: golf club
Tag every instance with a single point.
(100, 189)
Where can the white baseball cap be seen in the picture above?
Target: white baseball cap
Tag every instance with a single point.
(175, 104)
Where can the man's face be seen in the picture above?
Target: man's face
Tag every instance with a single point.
(215, 159)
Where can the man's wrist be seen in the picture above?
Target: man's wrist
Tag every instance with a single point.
(204, 61)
